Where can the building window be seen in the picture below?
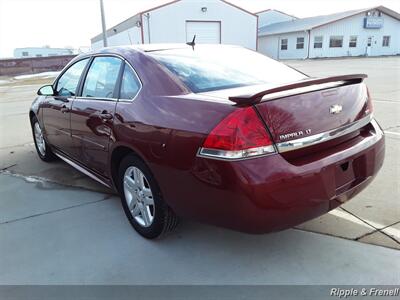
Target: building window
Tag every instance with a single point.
(386, 41)
(25, 53)
(353, 41)
(369, 41)
(336, 42)
(300, 43)
(318, 41)
(284, 44)
(38, 55)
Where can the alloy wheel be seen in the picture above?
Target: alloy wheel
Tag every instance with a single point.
(40, 143)
(138, 196)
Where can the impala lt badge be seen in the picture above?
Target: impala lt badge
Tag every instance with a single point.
(294, 134)
(335, 109)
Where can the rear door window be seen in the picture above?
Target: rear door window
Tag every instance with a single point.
(101, 79)
(130, 84)
(68, 82)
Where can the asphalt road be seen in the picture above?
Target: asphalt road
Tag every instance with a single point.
(59, 227)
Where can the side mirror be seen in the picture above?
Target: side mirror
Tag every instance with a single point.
(46, 90)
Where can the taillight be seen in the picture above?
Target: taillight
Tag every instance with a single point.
(240, 135)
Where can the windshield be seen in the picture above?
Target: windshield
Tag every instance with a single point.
(222, 67)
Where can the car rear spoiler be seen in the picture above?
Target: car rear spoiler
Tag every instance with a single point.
(296, 88)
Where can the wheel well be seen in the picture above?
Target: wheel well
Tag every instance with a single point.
(116, 157)
(31, 115)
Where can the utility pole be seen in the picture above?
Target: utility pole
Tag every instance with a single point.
(103, 24)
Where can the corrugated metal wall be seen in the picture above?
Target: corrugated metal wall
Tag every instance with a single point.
(168, 24)
(354, 27)
(270, 45)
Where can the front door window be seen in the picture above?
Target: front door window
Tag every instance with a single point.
(68, 82)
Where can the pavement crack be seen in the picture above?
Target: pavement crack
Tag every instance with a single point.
(343, 237)
(393, 224)
(107, 197)
(365, 235)
(377, 229)
(5, 168)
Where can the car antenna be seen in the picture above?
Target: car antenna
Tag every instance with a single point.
(193, 42)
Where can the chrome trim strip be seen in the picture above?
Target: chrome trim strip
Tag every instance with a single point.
(133, 69)
(118, 99)
(236, 155)
(81, 169)
(95, 98)
(102, 55)
(322, 137)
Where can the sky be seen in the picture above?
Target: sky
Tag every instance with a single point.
(71, 23)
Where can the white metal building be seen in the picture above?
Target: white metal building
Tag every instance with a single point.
(212, 21)
(41, 51)
(365, 32)
(270, 16)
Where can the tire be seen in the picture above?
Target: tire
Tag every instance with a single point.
(141, 199)
(42, 148)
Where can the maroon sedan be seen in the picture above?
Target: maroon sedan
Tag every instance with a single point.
(219, 134)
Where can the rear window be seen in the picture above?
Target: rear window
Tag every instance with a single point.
(211, 68)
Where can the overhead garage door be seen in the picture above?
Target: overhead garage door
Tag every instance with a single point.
(206, 32)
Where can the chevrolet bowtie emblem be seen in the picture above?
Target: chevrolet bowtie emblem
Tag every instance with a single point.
(335, 109)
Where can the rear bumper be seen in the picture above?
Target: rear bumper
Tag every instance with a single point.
(273, 193)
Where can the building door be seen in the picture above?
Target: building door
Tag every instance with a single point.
(369, 46)
(207, 32)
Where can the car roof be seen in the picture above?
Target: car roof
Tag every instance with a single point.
(156, 47)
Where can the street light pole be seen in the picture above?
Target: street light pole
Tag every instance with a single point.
(103, 24)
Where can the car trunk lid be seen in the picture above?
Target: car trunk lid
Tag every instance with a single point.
(315, 112)
(309, 107)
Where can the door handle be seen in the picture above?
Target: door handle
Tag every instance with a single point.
(64, 109)
(106, 116)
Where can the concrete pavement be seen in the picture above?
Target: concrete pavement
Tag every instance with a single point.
(53, 234)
